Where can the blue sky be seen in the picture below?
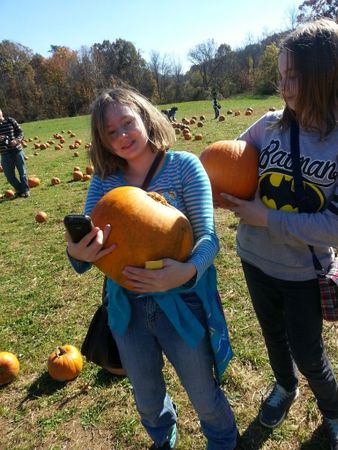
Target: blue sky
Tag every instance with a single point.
(170, 27)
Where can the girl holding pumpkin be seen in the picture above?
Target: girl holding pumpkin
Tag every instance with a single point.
(127, 133)
(273, 237)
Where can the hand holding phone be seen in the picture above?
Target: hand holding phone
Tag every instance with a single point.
(78, 226)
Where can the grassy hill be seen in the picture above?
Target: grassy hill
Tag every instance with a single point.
(45, 304)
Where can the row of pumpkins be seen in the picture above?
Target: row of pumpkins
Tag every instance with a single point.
(146, 228)
(64, 364)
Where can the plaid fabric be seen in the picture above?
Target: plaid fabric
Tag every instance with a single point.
(328, 285)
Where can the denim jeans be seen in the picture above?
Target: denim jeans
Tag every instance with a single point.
(148, 335)
(290, 317)
(15, 160)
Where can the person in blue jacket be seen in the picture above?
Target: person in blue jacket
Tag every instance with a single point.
(175, 310)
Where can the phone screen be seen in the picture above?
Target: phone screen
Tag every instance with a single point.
(78, 225)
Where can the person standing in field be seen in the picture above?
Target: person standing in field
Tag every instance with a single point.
(216, 106)
(12, 155)
(273, 237)
(127, 134)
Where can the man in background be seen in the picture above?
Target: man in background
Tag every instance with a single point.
(12, 155)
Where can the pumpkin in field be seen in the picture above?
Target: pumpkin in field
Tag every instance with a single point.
(9, 367)
(144, 227)
(232, 167)
(77, 175)
(41, 217)
(55, 180)
(9, 193)
(33, 181)
(65, 363)
(89, 170)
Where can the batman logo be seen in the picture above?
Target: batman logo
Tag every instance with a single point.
(277, 191)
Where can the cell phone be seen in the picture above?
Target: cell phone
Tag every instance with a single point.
(78, 225)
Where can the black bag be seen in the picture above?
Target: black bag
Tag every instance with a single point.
(99, 345)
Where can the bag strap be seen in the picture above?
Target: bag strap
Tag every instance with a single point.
(299, 185)
(152, 169)
(158, 158)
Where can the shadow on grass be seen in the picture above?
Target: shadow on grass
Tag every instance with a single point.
(105, 378)
(318, 440)
(42, 386)
(254, 437)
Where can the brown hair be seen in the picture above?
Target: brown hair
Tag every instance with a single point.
(160, 132)
(313, 51)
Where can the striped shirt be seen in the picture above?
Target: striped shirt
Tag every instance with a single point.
(184, 183)
(10, 129)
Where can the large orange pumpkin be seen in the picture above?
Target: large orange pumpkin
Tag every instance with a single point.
(9, 367)
(232, 167)
(144, 227)
(65, 363)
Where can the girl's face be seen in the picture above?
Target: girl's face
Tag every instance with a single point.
(288, 83)
(127, 135)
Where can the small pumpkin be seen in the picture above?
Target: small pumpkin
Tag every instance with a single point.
(41, 217)
(232, 167)
(9, 193)
(89, 170)
(77, 175)
(9, 367)
(144, 227)
(65, 363)
(55, 180)
(33, 181)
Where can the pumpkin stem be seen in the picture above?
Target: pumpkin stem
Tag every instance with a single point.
(158, 198)
(59, 351)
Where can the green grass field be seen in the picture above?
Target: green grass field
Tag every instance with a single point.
(44, 303)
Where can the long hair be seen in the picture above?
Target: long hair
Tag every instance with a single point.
(161, 134)
(312, 52)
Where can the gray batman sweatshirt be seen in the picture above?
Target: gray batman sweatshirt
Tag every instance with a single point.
(281, 249)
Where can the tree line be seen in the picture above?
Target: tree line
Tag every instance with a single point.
(33, 87)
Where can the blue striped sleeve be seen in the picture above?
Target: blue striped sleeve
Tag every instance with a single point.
(198, 200)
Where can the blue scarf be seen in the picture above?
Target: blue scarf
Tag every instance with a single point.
(179, 314)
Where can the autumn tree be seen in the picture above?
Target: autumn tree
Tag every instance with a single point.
(267, 72)
(315, 9)
(17, 85)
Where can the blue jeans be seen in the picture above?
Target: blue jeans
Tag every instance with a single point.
(15, 160)
(290, 317)
(149, 334)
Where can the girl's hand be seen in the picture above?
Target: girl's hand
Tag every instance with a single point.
(173, 274)
(250, 212)
(89, 249)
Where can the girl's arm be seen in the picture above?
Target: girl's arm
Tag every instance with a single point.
(200, 212)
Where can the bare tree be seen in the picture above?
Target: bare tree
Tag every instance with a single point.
(291, 16)
(204, 57)
(161, 68)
